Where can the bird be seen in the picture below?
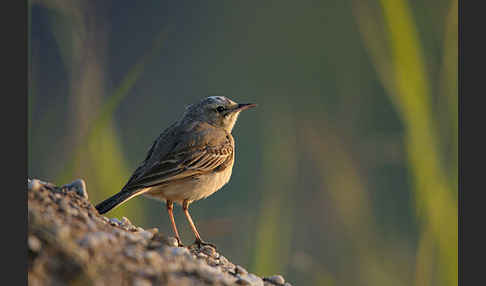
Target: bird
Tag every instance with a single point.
(189, 161)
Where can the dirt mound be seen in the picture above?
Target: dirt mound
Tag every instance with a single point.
(70, 243)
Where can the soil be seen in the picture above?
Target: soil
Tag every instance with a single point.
(69, 243)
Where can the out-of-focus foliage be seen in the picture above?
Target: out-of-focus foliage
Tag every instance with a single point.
(346, 173)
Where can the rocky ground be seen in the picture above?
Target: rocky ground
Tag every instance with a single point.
(69, 243)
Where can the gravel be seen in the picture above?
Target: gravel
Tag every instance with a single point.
(70, 243)
(276, 279)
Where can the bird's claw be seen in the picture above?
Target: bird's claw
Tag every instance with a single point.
(179, 242)
(201, 243)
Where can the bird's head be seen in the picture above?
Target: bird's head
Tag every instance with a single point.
(218, 111)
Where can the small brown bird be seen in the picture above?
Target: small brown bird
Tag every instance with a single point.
(189, 161)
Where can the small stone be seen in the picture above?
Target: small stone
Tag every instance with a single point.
(229, 268)
(132, 237)
(206, 272)
(90, 241)
(243, 281)
(115, 221)
(132, 252)
(63, 232)
(154, 244)
(172, 241)
(150, 255)
(178, 251)
(125, 221)
(240, 270)
(141, 282)
(210, 251)
(276, 279)
(213, 262)
(83, 254)
(202, 255)
(132, 228)
(223, 259)
(34, 243)
(34, 184)
(153, 230)
(252, 279)
(78, 186)
(146, 234)
(119, 233)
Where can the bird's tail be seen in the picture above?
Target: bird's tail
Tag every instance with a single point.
(116, 200)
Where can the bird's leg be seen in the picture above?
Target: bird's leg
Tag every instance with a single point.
(170, 208)
(199, 241)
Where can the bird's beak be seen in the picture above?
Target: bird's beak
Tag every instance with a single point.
(244, 106)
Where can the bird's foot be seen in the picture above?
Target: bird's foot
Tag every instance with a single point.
(201, 243)
(179, 242)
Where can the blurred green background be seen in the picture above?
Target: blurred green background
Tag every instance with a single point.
(346, 173)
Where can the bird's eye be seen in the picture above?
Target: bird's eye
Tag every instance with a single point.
(220, 109)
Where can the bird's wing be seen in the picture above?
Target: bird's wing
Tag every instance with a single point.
(200, 151)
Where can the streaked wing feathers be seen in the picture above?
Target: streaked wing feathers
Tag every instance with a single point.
(184, 163)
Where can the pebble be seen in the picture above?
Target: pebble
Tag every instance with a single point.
(34, 184)
(63, 204)
(141, 282)
(252, 279)
(79, 187)
(178, 251)
(34, 243)
(228, 268)
(125, 221)
(115, 221)
(206, 272)
(91, 225)
(153, 230)
(146, 248)
(202, 255)
(94, 239)
(154, 244)
(276, 279)
(89, 241)
(223, 259)
(132, 252)
(172, 241)
(210, 251)
(240, 270)
(243, 281)
(132, 237)
(151, 255)
(83, 254)
(132, 228)
(146, 234)
(63, 232)
(213, 262)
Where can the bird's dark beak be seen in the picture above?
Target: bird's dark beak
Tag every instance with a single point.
(244, 106)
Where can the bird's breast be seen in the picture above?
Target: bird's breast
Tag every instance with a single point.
(192, 189)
